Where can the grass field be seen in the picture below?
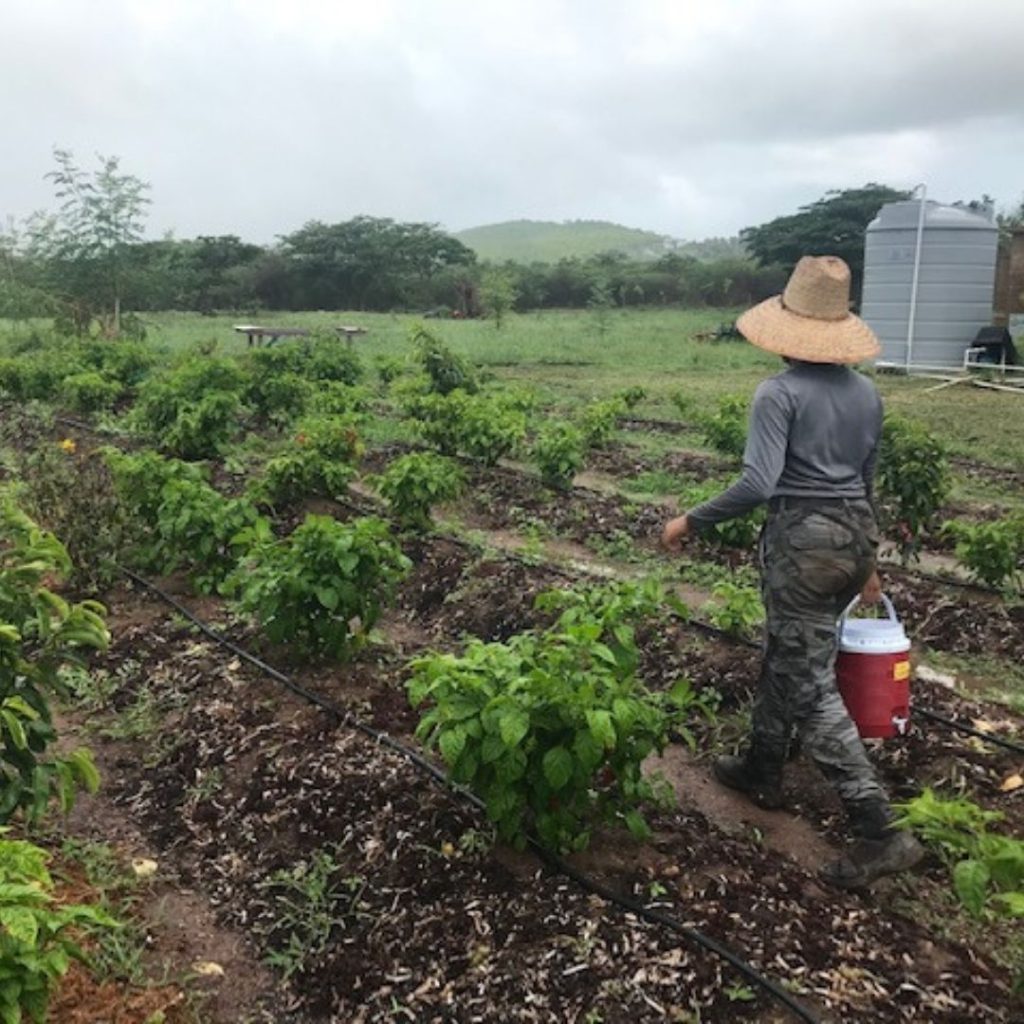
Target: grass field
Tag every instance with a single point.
(566, 355)
(569, 358)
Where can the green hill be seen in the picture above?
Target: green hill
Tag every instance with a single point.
(528, 241)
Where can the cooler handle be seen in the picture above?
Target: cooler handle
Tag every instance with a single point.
(890, 611)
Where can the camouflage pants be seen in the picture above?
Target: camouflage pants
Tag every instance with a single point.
(814, 559)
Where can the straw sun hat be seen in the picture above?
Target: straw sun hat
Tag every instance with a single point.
(811, 319)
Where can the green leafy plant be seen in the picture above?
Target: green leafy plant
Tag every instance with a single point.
(388, 369)
(322, 588)
(200, 530)
(447, 371)
(737, 609)
(726, 428)
(413, 483)
(40, 633)
(319, 461)
(558, 451)
(438, 418)
(488, 429)
(321, 357)
(192, 411)
(279, 397)
(741, 532)
(632, 396)
(600, 420)
(913, 481)
(993, 552)
(987, 868)
(90, 391)
(70, 491)
(551, 728)
(336, 398)
(178, 521)
(37, 937)
(310, 902)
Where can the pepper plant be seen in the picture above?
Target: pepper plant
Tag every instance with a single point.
(993, 552)
(558, 451)
(319, 460)
(322, 588)
(551, 728)
(413, 483)
(987, 868)
(40, 633)
(36, 938)
(913, 481)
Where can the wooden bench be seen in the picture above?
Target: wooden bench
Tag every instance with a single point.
(257, 335)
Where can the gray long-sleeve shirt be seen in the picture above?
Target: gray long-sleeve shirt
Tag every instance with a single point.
(814, 432)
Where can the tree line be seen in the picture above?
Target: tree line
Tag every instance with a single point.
(88, 261)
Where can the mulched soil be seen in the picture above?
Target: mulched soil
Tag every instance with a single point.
(428, 931)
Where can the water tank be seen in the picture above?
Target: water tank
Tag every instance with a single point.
(955, 282)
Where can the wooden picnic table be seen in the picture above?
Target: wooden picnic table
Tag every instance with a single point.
(257, 335)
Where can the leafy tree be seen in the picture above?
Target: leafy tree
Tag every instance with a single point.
(366, 262)
(832, 226)
(498, 293)
(85, 247)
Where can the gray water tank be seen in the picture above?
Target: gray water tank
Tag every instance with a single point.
(955, 282)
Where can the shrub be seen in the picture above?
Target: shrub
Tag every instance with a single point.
(201, 531)
(558, 451)
(279, 398)
(37, 375)
(600, 420)
(438, 419)
(447, 371)
(993, 552)
(726, 428)
(321, 357)
(124, 361)
(193, 411)
(488, 429)
(40, 633)
(913, 480)
(180, 521)
(413, 483)
(987, 868)
(322, 589)
(741, 532)
(319, 461)
(737, 609)
(632, 396)
(336, 398)
(139, 479)
(36, 946)
(74, 495)
(89, 391)
(550, 729)
(388, 369)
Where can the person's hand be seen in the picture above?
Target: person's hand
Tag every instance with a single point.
(871, 593)
(673, 534)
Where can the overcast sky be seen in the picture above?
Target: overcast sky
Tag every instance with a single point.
(687, 118)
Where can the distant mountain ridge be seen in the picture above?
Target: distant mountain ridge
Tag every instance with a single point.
(544, 241)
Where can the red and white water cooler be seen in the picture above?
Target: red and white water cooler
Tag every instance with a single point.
(873, 672)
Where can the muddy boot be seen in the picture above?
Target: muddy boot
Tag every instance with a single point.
(751, 775)
(878, 850)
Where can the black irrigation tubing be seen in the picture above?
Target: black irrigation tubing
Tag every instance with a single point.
(969, 730)
(591, 885)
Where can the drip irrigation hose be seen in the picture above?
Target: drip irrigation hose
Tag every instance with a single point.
(591, 885)
(968, 730)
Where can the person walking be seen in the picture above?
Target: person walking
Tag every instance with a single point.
(810, 456)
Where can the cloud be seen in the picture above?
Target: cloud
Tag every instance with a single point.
(690, 118)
